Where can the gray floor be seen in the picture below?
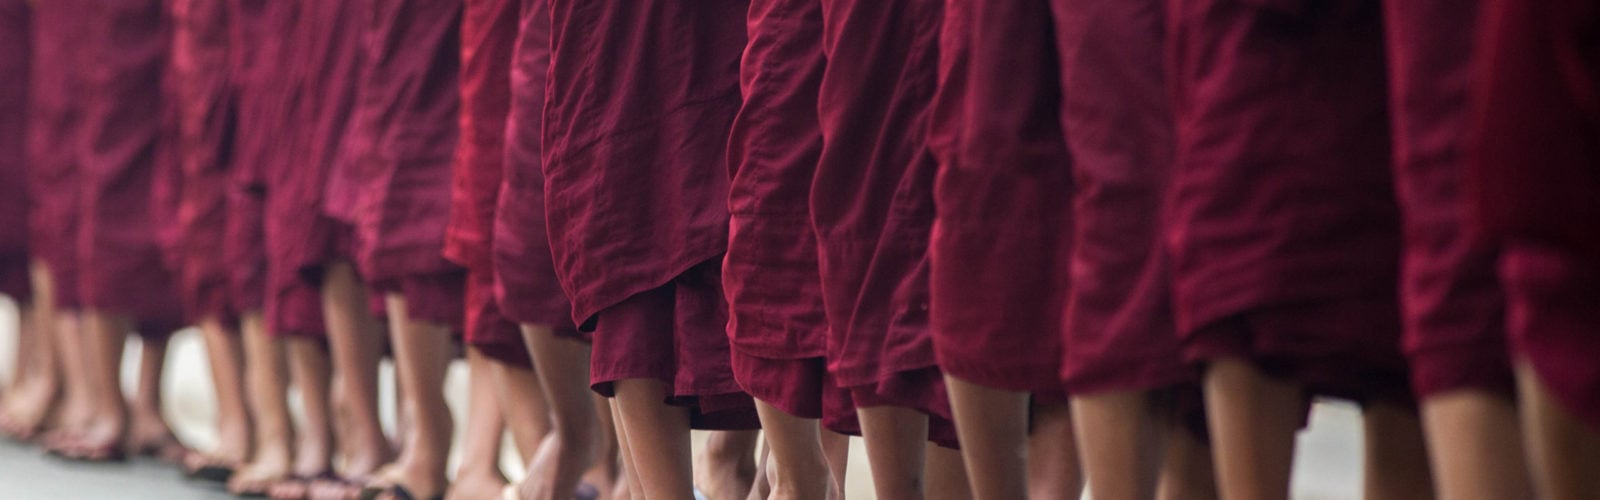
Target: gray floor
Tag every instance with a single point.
(1326, 465)
(27, 474)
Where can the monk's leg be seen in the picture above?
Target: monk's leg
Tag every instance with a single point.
(896, 440)
(37, 389)
(656, 438)
(355, 345)
(1054, 470)
(225, 354)
(798, 468)
(1469, 432)
(573, 445)
(1563, 452)
(422, 356)
(478, 473)
(726, 467)
(267, 393)
(993, 425)
(1120, 443)
(1253, 419)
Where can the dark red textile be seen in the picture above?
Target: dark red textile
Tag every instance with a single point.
(1118, 122)
(486, 329)
(259, 28)
(914, 389)
(1534, 179)
(640, 97)
(16, 42)
(777, 325)
(434, 298)
(526, 287)
(1282, 210)
(406, 122)
(488, 37)
(872, 196)
(201, 83)
(1551, 294)
(1452, 308)
(1002, 241)
(675, 334)
(54, 124)
(799, 387)
(121, 266)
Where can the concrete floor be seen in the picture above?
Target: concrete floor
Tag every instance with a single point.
(1326, 466)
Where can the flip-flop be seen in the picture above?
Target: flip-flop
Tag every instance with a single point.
(213, 470)
(167, 449)
(104, 454)
(305, 481)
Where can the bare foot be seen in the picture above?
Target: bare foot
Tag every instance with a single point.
(412, 475)
(724, 472)
(258, 477)
(150, 436)
(101, 440)
(477, 486)
(28, 407)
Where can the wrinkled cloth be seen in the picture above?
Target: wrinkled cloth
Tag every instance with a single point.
(125, 123)
(526, 288)
(1283, 228)
(1533, 179)
(55, 114)
(872, 197)
(488, 37)
(1452, 307)
(777, 324)
(16, 47)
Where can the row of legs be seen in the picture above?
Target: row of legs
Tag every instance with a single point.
(1124, 446)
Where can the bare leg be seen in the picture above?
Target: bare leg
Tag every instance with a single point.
(1563, 452)
(355, 344)
(148, 432)
(421, 354)
(478, 475)
(1186, 472)
(726, 468)
(225, 352)
(527, 413)
(993, 426)
(657, 439)
(265, 374)
(309, 368)
(836, 450)
(1122, 438)
(798, 469)
(77, 402)
(1469, 434)
(625, 454)
(896, 450)
(572, 447)
(1253, 420)
(101, 434)
(1053, 468)
(36, 390)
(947, 475)
(1397, 457)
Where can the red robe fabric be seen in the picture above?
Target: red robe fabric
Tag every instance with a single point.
(16, 42)
(1534, 182)
(526, 288)
(1002, 238)
(201, 83)
(488, 38)
(54, 124)
(258, 27)
(872, 199)
(639, 100)
(1283, 227)
(1454, 313)
(122, 269)
(770, 275)
(405, 134)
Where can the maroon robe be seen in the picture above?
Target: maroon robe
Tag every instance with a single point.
(526, 288)
(1282, 220)
(777, 326)
(257, 27)
(406, 128)
(122, 269)
(1534, 179)
(16, 46)
(200, 81)
(638, 104)
(1452, 306)
(872, 200)
(55, 113)
(488, 38)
